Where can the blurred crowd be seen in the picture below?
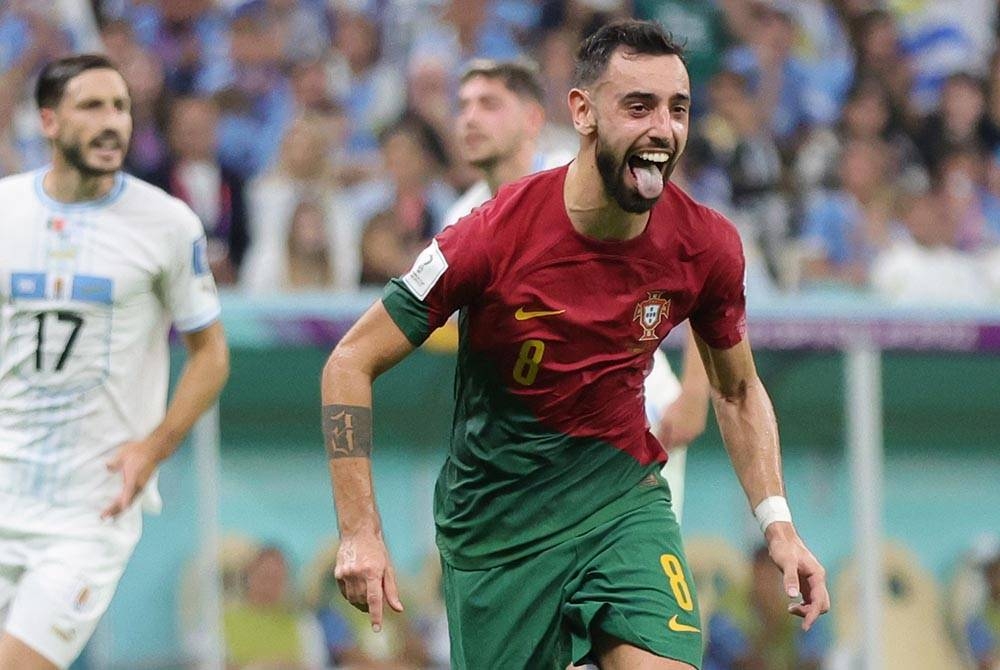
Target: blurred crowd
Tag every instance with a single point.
(279, 618)
(855, 143)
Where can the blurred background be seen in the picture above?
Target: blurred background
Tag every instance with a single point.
(854, 143)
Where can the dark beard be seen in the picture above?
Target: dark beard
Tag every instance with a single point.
(73, 154)
(487, 164)
(613, 175)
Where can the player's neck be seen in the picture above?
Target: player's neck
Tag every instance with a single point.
(513, 168)
(64, 183)
(591, 211)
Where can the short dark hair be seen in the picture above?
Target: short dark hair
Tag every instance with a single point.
(56, 75)
(636, 37)
(519, 76)
(420, 129)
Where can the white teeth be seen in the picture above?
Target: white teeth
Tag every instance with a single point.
(654, 156)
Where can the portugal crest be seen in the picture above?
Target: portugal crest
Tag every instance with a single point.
(649, 313)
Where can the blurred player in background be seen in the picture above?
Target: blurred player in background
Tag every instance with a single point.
(557, 539)
(95, 266)
(499, 121)
(500, 117)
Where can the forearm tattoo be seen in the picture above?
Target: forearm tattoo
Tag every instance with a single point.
(347, 431)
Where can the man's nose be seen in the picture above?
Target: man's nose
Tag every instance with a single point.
(660, 124)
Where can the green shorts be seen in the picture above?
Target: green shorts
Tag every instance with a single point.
(627, 578)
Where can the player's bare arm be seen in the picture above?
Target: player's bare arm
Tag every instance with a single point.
(363, 571)
(205, 373)
(750, 432)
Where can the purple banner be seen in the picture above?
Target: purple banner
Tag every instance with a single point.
(837, 334)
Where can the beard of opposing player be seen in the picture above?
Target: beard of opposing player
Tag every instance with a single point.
(486, 164)
(72, 153)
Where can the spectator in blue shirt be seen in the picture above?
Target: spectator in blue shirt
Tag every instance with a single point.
(846, 227)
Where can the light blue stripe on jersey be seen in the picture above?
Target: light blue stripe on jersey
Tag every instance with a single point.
(105, 200)
(87, 288)
(27, 285)
(199, 257)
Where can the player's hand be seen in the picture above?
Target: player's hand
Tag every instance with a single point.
(366, 577)
(803, 577)
(136, 462)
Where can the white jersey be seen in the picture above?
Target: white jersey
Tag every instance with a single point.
(662, 388)
(88, 292)
(479, 192)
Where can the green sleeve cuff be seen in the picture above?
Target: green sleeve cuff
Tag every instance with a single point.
(408, 312)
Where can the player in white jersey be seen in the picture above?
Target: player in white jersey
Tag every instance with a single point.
(498, 125)
(95, 266)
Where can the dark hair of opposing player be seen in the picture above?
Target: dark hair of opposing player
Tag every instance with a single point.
(635, 37)
(56, 75)
(519, 76)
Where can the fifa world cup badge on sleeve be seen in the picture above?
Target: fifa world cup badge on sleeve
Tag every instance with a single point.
(426, 271)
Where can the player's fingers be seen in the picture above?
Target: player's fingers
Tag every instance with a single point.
(812, 613)
(819, 596)
(790, 578)
(803, 612)
(374, 589)
(353, 589)
(809, 613)
(114, 509)
(817, 601)
(351, 585)
(392, 590)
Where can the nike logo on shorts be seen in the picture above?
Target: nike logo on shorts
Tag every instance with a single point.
(678, 627)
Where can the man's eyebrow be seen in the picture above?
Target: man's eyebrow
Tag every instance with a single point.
(640, 96)
(652, 98)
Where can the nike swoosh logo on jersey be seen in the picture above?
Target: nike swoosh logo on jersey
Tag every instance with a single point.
(523, 315)
(678, 627)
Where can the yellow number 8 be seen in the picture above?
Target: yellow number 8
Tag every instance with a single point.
(526, 366)
(675, 573)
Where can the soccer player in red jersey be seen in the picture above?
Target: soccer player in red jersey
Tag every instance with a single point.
(554, 526)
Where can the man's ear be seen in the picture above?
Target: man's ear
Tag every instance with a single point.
(581, 109)
(50, 126)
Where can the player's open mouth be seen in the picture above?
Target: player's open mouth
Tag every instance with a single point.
(107, 143)
(647, 168)
(107, 148)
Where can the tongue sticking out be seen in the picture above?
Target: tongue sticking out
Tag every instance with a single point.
(649, 180)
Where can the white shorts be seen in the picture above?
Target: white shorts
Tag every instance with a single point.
(54, 588)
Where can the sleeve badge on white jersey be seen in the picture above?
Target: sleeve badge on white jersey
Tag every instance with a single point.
(426, 271)
(199, 256)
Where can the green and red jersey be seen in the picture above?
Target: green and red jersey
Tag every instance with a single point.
(557, 329)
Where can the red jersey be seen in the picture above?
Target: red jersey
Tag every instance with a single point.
(556, 335)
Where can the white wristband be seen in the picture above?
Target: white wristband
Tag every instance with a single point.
(771, 509)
